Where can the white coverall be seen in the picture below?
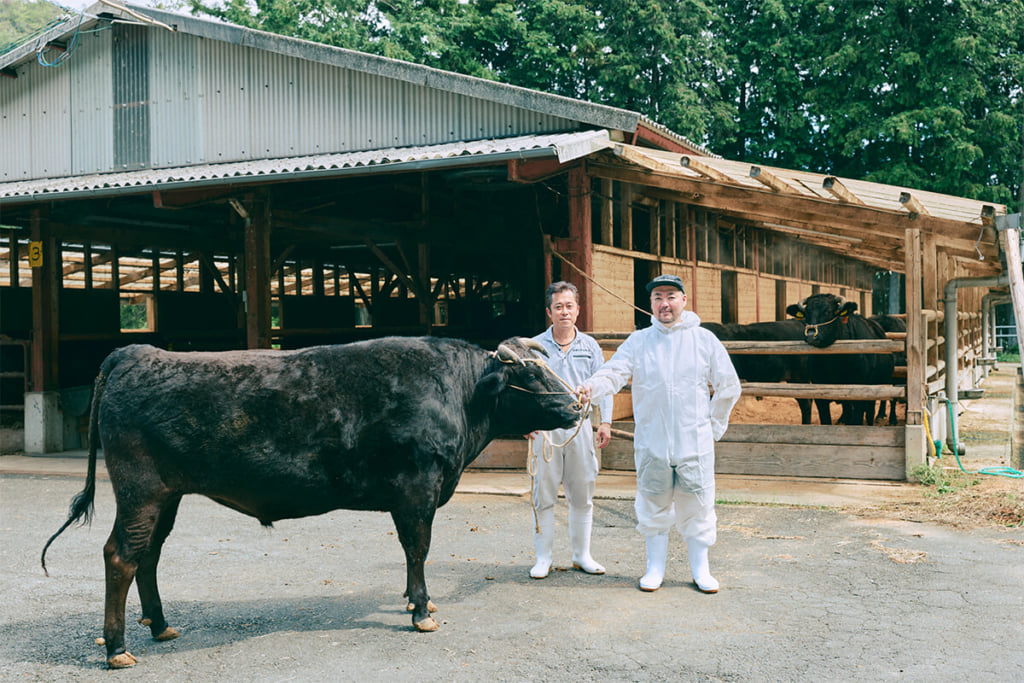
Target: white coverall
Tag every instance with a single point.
(575, 465)
(677, 421)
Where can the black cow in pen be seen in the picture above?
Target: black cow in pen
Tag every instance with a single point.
(768, 367)
(828, 318)
(384, 425)
(891, 323)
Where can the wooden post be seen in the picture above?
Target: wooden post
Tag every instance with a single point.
(45, 303)
(257, 274)
(1011, 246)
(915, 438)
(44, 422)
(626, 216)
(607, 213)
(579, 233)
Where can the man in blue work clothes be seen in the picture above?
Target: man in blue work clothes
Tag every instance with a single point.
(573, 356)
(675, 364)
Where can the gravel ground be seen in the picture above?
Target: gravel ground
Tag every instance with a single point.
(807, 594)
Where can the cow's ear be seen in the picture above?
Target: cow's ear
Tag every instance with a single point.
(848, 308)
(491, 384)
(794, 310)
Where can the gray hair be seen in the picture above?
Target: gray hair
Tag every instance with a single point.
(557, 288)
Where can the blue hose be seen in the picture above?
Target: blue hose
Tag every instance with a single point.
(993, 471)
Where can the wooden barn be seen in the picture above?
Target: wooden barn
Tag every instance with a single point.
(199, 185)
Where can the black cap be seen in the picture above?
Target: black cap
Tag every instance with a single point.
(666, 281)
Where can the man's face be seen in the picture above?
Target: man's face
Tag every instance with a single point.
(563, 311)
(667, 304)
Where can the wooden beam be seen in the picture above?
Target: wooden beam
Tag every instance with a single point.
(913, 205)
(840, 191)
(402, 277)
(699, 167)
(770, 180)
(257, 274)
(773, 207)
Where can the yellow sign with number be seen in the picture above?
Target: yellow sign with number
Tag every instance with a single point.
(35, 254)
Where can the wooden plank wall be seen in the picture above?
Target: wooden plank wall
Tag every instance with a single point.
(749, 298)
(706, 298)
(616, 273)
(794, 451)
(766, 299)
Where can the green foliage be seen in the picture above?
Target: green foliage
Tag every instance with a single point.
(942, 481)
(1008, 357)
(133, 316)
(20, 19)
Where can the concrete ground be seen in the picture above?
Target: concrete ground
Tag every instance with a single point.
(809, 592)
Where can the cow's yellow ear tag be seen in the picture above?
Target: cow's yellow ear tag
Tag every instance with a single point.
(799, 315)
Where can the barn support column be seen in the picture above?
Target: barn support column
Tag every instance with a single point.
(44, 421)
(582, 242)
(257, 273)
(916, 441)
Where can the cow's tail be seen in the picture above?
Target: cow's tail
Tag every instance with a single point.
(82, 505)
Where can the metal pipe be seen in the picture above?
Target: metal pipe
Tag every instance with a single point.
(988, 314)
(949, 301)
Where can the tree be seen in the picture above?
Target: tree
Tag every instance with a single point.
(20, 19)
(919, 93)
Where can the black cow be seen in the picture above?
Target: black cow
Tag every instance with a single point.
(827, 318)
(891, 323)
(770, 367)
(384, 425)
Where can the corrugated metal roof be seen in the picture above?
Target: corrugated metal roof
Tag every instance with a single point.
(564, 146)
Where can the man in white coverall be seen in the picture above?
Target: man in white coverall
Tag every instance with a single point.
(573, 356)
(672, 364)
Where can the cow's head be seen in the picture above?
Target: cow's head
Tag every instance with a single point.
(822, 314)
(528, 396)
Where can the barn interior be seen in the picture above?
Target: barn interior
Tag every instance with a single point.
(459, 238)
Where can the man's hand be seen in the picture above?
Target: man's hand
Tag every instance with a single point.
(604, 435)
(584, 392)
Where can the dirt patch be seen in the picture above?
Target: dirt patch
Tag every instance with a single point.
(975, 501)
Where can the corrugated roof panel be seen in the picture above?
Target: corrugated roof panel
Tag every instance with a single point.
(174, 100)
(565, 146)
(92, 120)
(226, 121)
(15, 129)
(50, 127)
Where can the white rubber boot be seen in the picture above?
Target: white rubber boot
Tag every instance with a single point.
(542, 542)
(657, 555)
(698, 551)
(580, 525)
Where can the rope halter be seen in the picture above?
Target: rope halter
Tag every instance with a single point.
(808, 328)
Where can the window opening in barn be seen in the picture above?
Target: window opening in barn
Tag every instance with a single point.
(730, 312)
(643, 272)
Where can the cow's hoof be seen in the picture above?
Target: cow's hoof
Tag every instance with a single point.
(168, 633)
(427, 625)
(122, 661)
(431, 607)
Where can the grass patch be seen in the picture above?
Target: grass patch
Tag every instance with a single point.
(941, 481)
(1008, 357)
